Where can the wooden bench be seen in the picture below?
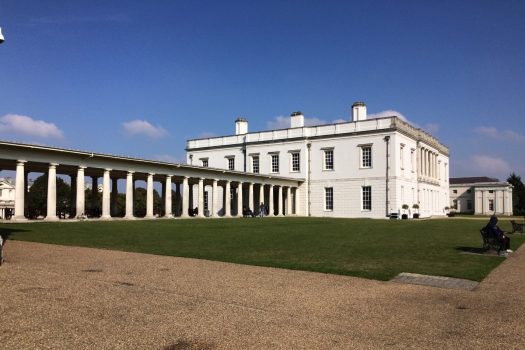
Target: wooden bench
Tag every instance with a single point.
(516, 227)
(489, 241)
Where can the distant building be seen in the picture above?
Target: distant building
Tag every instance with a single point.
(7, 197)
(362, 168)
(480, 195)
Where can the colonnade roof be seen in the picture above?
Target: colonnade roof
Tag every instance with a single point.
(38, 158)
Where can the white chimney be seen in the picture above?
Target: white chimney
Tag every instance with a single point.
(241, 126)
(296, 120)
(358, 111)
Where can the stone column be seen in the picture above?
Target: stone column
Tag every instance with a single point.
(280, 207)
(289, 201)
(94, 195)
(201, 198)
(239, 200)
(20, 189)
(185, 197)
(214, 201)
(52, 193)
(168, 202)
(149, 196)
(251, 203)
(484, 206)
(227, 199)
(270, 202)
(129, 196)
(114, 196)
(106, 214)
(261, 196)
(81, 192)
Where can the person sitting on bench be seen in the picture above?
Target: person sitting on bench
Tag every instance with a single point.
(494, 231)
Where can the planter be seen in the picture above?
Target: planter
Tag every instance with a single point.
(415, 215)
(404, 217)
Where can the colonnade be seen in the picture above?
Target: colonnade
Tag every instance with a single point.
(429, 164)
(501, 201)
(282, 203)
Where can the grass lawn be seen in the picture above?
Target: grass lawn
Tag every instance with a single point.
(376, 249)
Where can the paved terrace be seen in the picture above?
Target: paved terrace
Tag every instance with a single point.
(56, 297)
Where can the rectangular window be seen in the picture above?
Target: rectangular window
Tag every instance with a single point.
(491, 204)
(366, 156)
(255, 164)
(491, 191)
(329, 159)
(231, 163)
(469, 204)
(296, 162)
(367, 198)
(329, 198)
(204, 162)
(401, 156)
(275, 163)
(412, 159)
(454, 191)
(205, 200)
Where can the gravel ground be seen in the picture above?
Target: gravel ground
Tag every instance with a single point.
(56, 297)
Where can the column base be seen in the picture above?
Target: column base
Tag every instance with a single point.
(129, 218)
(149, 217)
(51, 218)
(105, 217)
(19, 218)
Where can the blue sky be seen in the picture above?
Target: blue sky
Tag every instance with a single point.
(139, 78)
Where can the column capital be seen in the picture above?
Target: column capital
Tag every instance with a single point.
(151, 174)
(21, 161)
(215, 180)
(54, 165)
(82, 167)
(131, 172)
(107, 169)
(168, 177)
(185, 177)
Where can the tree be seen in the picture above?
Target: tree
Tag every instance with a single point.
(518, 194)
(37, 197)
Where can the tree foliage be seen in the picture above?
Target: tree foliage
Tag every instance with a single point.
(37, 197)
(518, 194)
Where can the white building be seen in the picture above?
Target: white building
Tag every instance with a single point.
(360, 168)
(7, 197)
(481, 196)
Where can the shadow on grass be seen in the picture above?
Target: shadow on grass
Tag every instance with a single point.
(477, 250)
(7, 232)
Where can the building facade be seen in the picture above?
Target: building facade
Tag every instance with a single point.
(360, 168)
(480, 196)
(7, 198)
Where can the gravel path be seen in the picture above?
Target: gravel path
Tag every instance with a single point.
(56, 297)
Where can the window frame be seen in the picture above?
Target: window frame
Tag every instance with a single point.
(362, 156)
(366, 203)
(230, 159)
(327, 151)
(258, 158)
(274, 167)
(293, 163)
(328, 199)
(205, 162)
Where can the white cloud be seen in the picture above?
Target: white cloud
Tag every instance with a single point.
(388, 113)
(21, 124)
(482, 165)
(279, 122)
(502, 135)
(142, 127)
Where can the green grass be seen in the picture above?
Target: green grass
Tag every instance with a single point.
(376, 249)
